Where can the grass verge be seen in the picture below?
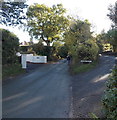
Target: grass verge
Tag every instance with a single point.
(11, 70)
(80, 68)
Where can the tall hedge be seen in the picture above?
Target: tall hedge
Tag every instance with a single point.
(110, 98)
(10, 46)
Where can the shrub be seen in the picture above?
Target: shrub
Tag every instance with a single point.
(88, 50)
(63, 51)
(110, 98)
(10, 46)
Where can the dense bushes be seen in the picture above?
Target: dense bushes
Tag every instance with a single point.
(110, 98)
(88, 50)
(53, 53)
(63, 51)
(10, 46)
(80, 41)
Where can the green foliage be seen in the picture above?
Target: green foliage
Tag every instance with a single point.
(110, 98)
(88, 50)
(49, 51)
(112, 37)
(23, 49)
(12, 13)
(104, 39)
(81, 44)
(101, 39)
(46, 23)
(112, 34)
(113, 13)
(10, 46)
(63, 51)
(38, 48)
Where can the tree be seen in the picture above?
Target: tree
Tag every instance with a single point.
(46, 23)
(112, 37)
(88, 50)
(63, 51)
(12, 13)
(76, 39)
(38, 48)
(113, 13)
(102, 39)
(10, 46)
(112, 34)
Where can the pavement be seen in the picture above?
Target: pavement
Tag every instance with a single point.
(42, 93)
(88, 89)
(50, 92)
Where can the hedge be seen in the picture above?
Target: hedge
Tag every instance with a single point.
(110, 98)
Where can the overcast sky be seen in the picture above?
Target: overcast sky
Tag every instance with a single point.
(93, 10)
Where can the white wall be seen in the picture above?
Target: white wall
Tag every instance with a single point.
(39, 59)
(29, 57)
(36, 59)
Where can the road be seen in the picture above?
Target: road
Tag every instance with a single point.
(46, 92)
(88, 89)
(43, 93)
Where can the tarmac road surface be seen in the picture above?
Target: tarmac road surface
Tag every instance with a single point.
(88, 89)
(43, 93)
(46, 92)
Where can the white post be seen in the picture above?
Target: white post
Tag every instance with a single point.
(23, 61)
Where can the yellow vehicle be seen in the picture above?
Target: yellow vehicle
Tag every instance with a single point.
(107, 47)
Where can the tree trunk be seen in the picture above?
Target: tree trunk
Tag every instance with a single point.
(48, 43)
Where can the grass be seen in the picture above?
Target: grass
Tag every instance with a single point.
(11, 70)
(80, 68)
(92, 115)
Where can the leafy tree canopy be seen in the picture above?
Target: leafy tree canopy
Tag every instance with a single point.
(78, 33)
(102, 38)
(112, 33)
(112, 37)
(11, 12)
(81, 44)
(46, 23)
(113, 13)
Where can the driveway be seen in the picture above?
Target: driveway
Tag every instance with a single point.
(42, 93)
(88, 89)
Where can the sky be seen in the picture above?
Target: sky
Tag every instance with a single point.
(93, 10)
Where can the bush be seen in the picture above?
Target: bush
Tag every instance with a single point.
(88, 50)
(110, 98)
(10, 46)
(63, 51)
